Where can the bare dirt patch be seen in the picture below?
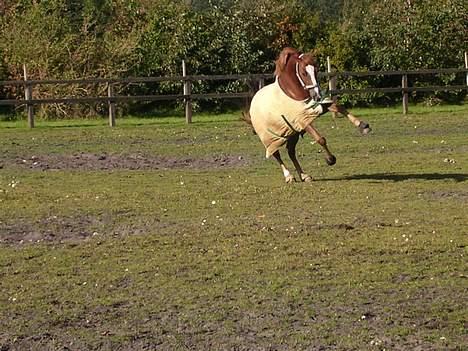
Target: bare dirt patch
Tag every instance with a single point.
(105, 161)
(74, 229)
(49, 229)
(452, 195)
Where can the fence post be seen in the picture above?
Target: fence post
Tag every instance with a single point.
(331, 83)
(28, 97)
(187, 92)
(261, 83)
(466, 66)
(110, 95)
(404, 85)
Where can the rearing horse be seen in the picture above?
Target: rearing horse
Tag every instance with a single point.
(282, 111)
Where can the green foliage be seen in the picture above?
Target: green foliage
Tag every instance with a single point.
(77, 40)
(422, 34)
(103, 38)
(398, 35)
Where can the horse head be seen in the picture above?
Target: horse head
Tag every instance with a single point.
(297, 74)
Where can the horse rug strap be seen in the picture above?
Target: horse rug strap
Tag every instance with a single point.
(289, 124)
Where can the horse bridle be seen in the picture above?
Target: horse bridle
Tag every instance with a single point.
(307, 87)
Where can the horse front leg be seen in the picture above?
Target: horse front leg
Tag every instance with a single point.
(291, 146)
(288, 177)
(363, 127)
(331, 160)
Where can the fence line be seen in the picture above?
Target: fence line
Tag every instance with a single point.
(258, 76)
(140, 79)
(187, 96)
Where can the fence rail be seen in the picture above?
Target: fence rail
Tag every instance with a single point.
(187, 81)
(194, 78)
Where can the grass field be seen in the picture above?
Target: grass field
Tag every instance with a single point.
(155, 235)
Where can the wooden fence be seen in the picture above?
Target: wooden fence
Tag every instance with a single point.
(187, 81)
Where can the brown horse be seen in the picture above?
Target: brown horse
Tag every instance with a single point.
(282, 111)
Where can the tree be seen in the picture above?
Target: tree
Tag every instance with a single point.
(397, 34)
(76, 41)
(414, 34)
(104, 38)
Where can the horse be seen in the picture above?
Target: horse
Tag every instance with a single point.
(286, 109)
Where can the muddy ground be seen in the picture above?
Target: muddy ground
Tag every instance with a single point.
(103, 161)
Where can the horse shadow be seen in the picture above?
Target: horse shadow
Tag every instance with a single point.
(400, 177)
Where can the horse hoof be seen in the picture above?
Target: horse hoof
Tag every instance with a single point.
(306, 178)
(331, 160)
(366, 131)
(290, 179)
(364, 128)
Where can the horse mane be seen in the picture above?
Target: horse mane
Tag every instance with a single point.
(283, 58)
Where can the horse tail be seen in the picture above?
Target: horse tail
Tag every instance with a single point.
(247, 119)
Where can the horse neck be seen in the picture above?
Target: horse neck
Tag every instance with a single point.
(290, 85)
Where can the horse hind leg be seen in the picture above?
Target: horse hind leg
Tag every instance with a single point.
(363, 126)
(291, 146)
(288, 177)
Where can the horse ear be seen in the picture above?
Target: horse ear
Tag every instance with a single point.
(283, 58)
(309, 58)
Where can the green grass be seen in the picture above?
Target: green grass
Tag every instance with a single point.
(369, 256)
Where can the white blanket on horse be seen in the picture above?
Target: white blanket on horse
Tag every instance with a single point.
(275, 116)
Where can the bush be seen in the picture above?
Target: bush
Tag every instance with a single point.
(104, 38)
